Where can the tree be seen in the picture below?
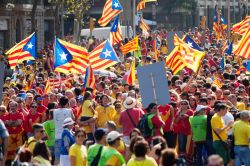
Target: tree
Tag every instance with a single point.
(78, 8)
(33, 16)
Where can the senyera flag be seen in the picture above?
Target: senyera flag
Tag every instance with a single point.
(242, 26)
(132, 45)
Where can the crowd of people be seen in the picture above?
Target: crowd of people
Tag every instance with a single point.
(204, 124)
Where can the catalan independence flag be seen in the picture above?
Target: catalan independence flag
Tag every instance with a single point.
(219, 24)
(217, 82)
(111, 9)
(24, 50)
(70, 57)
(115, 32)
(242, 49)
(191, 56)
(103, 56)
(242, 26)
(89, 80)
(175, 61)
(132, 45)
(131, 75)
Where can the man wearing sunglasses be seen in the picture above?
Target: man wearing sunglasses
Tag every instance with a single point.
(39, 134)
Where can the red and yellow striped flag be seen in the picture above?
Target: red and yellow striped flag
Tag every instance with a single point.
(241, 27)
(242, 49)
(175, 61)
(144, 26)
(131, 75)
(142, 4)
(217, 82)
(47, 88)
(132, 45)
(30, 82)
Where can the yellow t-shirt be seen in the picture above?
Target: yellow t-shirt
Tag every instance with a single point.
(31, 144)
(241, 132)
(86, 111)
(80, 154)
(218, 123)
(240, 106)
(114, 161)
(104, 115)
(164, 50)
(148, 161)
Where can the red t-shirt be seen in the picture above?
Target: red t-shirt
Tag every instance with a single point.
(3, 117)
(32, 119)
(143, 48)
(183, 125)
(158, 124)
(41, 109)
(125, 121)
(14, 117)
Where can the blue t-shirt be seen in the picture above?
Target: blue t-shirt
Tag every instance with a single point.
(68, 139)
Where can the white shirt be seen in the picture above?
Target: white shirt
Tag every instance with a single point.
(227, 119)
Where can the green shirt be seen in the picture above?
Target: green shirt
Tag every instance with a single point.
(92, 152)
(49, 127)
(199, 127)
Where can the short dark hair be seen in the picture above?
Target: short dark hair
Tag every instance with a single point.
(141, 148)
(79, 131)
(63, 101)
(37, 126)
(168, 157)
(133, 141)
(41, 149)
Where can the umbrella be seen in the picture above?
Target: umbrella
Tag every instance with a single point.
(105, 73)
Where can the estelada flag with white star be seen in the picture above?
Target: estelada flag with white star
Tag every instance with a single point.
(192, 43)
(69, 58)
(103, 56)
(24, 50)
(111, 9)
(191, 56)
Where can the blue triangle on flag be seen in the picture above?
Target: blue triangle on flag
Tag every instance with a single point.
(247, 65)
(222, 63)
(108, 52)
(114, 26)
(230, 49)
(62, 55)
(30, 46)
(116, 5)
(192, 44)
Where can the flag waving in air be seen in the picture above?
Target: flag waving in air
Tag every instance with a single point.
(115, 32)
(191, 43)
(111, 9)
(70, 57)
(144, 27)
(89, 80)
(219, 24)
(131, 75)
(242, 49)
(24, 50)
(142, 4)
(242, 26)
(132, 45)
(103, 56)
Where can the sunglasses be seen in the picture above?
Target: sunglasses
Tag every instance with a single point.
(183, 103)
(33, 106)
(226, 94)
(42, 131)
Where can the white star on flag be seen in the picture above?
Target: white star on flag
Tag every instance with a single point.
(63, 56)
(30, 45)
(107, 53)
(116, 4)
(190, 44)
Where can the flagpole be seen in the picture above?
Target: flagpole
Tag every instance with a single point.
(134, 12)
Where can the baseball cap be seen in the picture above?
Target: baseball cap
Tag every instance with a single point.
(199, 108)
(99, 133)
(112, 136)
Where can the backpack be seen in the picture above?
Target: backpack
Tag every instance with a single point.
(145, 125)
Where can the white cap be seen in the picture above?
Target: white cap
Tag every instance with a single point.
(113, 135)
(199, 108)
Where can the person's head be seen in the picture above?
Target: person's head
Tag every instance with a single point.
(80, 136)
(168, 157)
(41, 149)
(38, 99)
(113, 139)
(141, 148)
(69, 93)
(2, 110)
(200, 110)
(13, 106)
(33, 107)
(63, 101)
(133, 141)
(159, 140)
(38, 131)
(226, 93)
(25, 155)
(100, 135)
(215, 160)
(29, 98)
(111, 126)
(129, 103)
(134, 133)
(104, 100)
(152, 108)
(118, 106)
(244, 116)
(184, 105)
(222, 109)
(68, 123)
(72, 102)
(87, 96)
(232, 98)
